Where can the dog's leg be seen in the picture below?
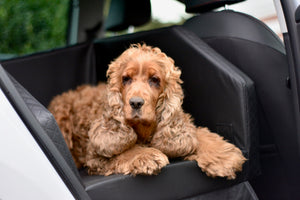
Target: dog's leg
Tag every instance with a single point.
(177, 138)
(136, 160)
(140, 160)
(109, 137)
(215, 156)
(61, 110)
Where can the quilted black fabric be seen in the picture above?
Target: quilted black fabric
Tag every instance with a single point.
(48, 123)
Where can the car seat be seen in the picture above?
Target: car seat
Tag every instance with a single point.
(218, 95)
(257, 51)
(208, 78)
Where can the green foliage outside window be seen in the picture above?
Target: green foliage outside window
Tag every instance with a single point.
(28, 26)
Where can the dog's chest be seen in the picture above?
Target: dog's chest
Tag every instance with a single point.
(144, 132)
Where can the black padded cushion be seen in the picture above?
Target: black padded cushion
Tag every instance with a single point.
(199, 6)
(178, 180)
(218, 95)
(41, 137)
(50, 73)
(48, 123)
(251, 46)
(242, 191)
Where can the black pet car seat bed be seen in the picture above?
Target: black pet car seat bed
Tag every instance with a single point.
(217, 94)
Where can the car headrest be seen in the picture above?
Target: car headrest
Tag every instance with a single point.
(125, 13)
(199, 6)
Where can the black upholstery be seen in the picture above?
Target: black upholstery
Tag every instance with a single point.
(228, 24)
(179, 180)
(258, 52)
(218, 95)
(242, 191)
(50, 73)
(22, 103)
(48, 123)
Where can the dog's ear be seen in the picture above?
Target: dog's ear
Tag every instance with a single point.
(115, 69)
(113, 74)
(113, 86)
(171, 99)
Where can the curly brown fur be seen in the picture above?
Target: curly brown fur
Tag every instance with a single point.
(135, 123)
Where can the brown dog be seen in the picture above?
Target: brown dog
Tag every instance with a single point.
(135, 122)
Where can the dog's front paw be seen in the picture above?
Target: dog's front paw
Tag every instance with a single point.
(226, 164)
(149, 161)
(109, 138)
(221, 162)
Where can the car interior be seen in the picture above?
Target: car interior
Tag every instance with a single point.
(236, 83)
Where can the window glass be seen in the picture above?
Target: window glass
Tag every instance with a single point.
(169, 11)
(28, 26)
(164, 13)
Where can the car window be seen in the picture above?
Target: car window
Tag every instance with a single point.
(30, 26)
(163, 13)
(37, 25)
(171, 12)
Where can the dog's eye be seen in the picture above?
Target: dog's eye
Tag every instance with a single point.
(126, 80)
(154, 81)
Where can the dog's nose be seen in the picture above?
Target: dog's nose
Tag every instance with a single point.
(136, 102)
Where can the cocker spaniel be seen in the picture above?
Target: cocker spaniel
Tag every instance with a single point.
(135, 122)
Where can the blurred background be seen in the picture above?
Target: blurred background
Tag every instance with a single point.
(28, 26)
(261, 9)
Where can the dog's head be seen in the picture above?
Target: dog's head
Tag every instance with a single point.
(144, 86)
